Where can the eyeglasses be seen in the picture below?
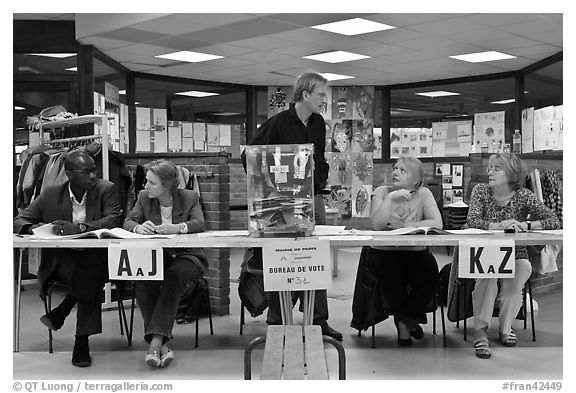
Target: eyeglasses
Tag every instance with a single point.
(85, 172)
(494, 168)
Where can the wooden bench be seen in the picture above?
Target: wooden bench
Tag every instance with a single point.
(294, 352)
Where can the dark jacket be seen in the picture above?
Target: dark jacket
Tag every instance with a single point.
(102, 211)
(186, 208)
(287, 128)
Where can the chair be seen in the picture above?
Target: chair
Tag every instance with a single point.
(202, 287)
(55, 285)
(375, 287)
(463, 305)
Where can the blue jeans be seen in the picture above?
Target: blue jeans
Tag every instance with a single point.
(158, 300)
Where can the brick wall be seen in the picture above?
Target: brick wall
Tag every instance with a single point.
(214, 183)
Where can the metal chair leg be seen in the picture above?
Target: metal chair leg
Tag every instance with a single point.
(529, 285)
(241, 316)
(248, 356)
(373, 306)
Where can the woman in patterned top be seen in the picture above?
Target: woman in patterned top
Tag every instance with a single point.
(406, 204)
(504, 203)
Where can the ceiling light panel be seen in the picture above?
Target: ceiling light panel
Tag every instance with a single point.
(56, 55)
(354, 27)
(335, 77)
(439, 93)
(194, 93)
(188, 56)
(336, 57)
(483, 56)
(503, 101)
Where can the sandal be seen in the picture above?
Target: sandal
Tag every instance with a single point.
(508, 339)
(482, 347)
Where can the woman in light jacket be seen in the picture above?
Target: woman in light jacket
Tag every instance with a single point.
(164, 209)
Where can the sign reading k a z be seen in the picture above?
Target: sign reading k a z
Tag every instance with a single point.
(486, 259)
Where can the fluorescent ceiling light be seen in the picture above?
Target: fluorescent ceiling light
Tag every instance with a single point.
(57, 55)
(483, 56)
(335, 77)
(191, 57)
(353, 26)
(193, 93)
(440, 93)
(74, 69)
(401, 110)
(121, 91)
(18, 108)
(503, 101)
(136, 103)
(336, 57)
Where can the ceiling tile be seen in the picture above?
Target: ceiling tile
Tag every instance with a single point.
(104, 43)
(300, 50)
(538, 25)
(400, 20)
(305, 35)
(535, 52)
(308, 19)
(214, 19)
(478, 35)
(506, 43)
(130, 34)
(263, 43)
(394, 35)
(445, 26)
(383, 50)
(496, 20)
(180, 43)
(350, 44)
(169, 25)
(225, 50)
(143, 50)
(219, 35)
(554, 38)
(228, 62)
(260, 27)
(262, 57)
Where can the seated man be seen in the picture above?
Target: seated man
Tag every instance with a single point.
(82, 204)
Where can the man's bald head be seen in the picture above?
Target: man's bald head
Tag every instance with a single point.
(78, 160)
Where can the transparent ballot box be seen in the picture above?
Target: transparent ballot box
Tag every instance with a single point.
(280, 190)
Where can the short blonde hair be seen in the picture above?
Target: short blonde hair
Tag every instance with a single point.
(513, 166)
(166, 172)
(308, 81)
(415, 166)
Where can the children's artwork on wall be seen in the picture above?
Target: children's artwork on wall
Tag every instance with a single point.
(457, 175)
(528, 130)
(362, 168)
(363, 102)
(361, 200)
(341, 136)
(457, 195)
(342, 103)
(395, 142)
(340, 168)
(489, 132)
(341, 199)
(326, 111)
(377, 133)
(362, 137)
(279, 98)
(447, 197)
(328, 136)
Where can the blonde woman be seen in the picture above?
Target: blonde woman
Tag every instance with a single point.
(409, 274)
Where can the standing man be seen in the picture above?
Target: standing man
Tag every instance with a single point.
(302, 123)
(82, 204)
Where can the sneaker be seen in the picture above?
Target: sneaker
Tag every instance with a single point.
(328, 331)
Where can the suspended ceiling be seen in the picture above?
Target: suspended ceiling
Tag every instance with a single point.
(267, 49)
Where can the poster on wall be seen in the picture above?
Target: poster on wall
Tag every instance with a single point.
(187, 131)
(362, 102)
(187, 144)
(225, 135)
(160, 117)
(527, 130)
(143, 118)
(446, 197)
(395, 142)
(362, 137)
(558, 126)
(362, 168)
(341, 136)
(340, 172)
(342, 106)
(199, 132)
(544, 132)
(326, 111)
(341, 199)
(142, 140)
(160, 142)
(377, 132)
(457, 175)
(279, 98)
(213, 135)
(175, 139)
(457, 195)
(361, 200)
(489, 132)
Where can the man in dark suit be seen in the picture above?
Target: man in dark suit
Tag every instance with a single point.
(82, 204)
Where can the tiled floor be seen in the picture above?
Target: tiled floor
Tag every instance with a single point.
(220, 356)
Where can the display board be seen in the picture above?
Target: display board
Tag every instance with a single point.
(489, 132)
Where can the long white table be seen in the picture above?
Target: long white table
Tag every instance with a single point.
(193, 240)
